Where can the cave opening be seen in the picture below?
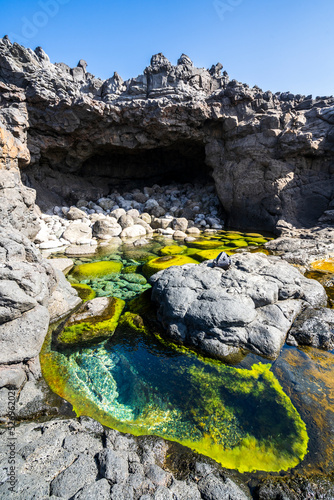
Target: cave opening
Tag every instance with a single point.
(112, 168)
(124, 168)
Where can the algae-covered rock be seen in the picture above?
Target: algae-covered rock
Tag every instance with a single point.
(172, 250)
(132, 321)
(238, 243)
(132, 269)
(96, 319)
(101, 269)
(155, 265)
(85, 292)
(324, 265)
(207, 244)
(135, 278)
(255, 241)
(141, 305)
(203, 255)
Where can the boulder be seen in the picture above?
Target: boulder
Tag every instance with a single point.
(76, 231)
(134, 231)
(106, 228)
(251, 305)
(180, 224)
(63, 299)
(75, 213)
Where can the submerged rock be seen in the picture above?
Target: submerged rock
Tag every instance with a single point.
(96, 319)
(99, 269)
(250, 306)
(155, 265)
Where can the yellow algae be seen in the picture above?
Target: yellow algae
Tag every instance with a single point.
(172, 250)
(160, 263)
(96, 270)
(95, 328)
(326, 265)
(211, 254)
(217, 431)
(85, 292)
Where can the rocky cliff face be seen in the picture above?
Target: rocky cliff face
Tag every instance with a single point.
(271, 156)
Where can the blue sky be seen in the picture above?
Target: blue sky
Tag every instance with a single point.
(278, 45)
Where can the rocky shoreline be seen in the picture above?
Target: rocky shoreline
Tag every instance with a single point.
(180, 213)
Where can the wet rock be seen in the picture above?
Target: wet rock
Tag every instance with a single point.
(179, 235)
(314, 327)
(252, 305)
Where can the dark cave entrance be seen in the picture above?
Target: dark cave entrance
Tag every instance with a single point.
(113, 168)
(124, 168)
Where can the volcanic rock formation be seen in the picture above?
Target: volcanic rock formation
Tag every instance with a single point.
(271, 156)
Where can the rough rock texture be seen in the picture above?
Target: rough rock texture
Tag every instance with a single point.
(251, 306)
(314, 327)
(271, 156)
(303, 246)
(27, 281)
(78, 459)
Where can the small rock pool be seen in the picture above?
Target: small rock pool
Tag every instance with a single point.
(249, 415)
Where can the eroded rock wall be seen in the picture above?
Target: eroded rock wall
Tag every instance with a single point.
(271, 156)
(28, 283)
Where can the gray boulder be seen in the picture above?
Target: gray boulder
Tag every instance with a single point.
(77, 231)
(105, 229)
(251, 306)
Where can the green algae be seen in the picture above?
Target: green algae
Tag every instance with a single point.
(160, 263)
(136, 383)
(212, 254)
(95, 328)
(96, 270)
(85, 292)
(172, 250)
(207, 244)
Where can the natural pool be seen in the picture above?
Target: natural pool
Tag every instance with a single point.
(136, 382)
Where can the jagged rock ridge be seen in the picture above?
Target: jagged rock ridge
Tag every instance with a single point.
(271, 156)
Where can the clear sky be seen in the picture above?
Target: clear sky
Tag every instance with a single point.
(279, 45)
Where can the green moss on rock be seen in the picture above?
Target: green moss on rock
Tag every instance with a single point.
(211, 254)
(172, 250)
(101, 269)
(206, 244)
(85, 292)
(93, 329)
